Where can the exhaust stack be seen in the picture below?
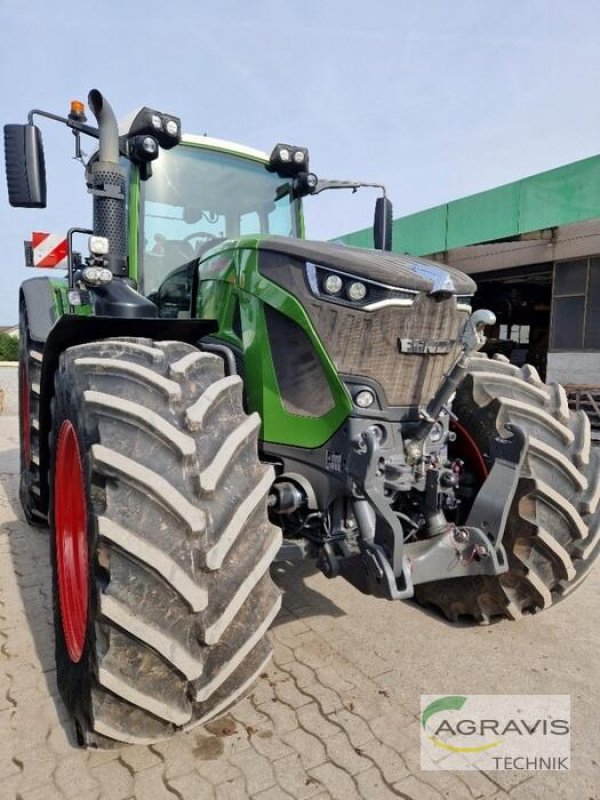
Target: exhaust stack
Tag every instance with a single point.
(107, 182)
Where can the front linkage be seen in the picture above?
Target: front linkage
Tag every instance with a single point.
(386, 564)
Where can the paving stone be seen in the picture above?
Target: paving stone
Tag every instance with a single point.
(397, 730)
(248, 715)
(9, 789)
(356, 728)
(192, 787)
(139, 758)
(389, 762)
(47, 792)
(115, 780)
(341, 676)
(293, 778)
(36, 771)
(232, 790)
(443, 783)
(287, 633)
(8, 766)
(343, 754)
(337, 782)
(327, 699)
(177, 756)
(74, 780)
(149, 785)
(478, 784)
(257, 771)
(288, 692)
(310, 717)
(281, 654)
(97, 757)
(219, 769)
(268, 744)
(420, 790)
(60, 741)
(275, 793)
(311, 749)
(313, 651)
(281, 715)
(303, 676)
(372, 786)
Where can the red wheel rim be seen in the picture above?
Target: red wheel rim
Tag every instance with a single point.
(24, 408)
(70, 525)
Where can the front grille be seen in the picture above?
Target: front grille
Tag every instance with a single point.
(365, 344)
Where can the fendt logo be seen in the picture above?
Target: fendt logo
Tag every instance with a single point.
(495, 732)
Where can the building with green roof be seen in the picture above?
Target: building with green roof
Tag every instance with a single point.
(533, 247)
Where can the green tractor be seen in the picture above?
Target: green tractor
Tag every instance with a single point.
(207, 392)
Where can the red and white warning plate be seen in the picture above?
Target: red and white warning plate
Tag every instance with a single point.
(49, 250)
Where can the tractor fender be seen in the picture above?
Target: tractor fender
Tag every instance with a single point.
(38, 297)
(70, 330)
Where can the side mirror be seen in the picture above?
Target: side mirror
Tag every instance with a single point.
(382, 225)
(25, 168)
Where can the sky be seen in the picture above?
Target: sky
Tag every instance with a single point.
(437, 99)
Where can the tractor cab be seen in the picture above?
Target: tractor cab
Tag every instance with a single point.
(202, 193)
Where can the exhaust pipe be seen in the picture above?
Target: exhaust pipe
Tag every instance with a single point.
(107, 182)
(107, 126)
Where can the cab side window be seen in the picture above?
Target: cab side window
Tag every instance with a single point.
(174, 295)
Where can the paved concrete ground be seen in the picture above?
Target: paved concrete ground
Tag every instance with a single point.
(335, 716)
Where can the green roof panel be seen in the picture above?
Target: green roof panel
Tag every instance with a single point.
(483, 217)
(559, 196)
(421, 233)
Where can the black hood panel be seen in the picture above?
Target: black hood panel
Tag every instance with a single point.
(393, 269)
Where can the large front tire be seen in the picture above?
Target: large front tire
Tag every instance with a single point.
(161, 540)
(552, 535)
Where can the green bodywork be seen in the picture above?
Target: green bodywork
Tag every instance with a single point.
(560, 196)
(231, 274)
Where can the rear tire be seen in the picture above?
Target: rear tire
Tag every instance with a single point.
(552, 535)
(30, 370)
(177, 539)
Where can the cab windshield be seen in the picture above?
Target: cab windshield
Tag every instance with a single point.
(198, 197)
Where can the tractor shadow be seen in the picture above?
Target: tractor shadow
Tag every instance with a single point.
(27, 631)
(299, 598)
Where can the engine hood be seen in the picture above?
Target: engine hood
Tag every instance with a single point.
(392, 269)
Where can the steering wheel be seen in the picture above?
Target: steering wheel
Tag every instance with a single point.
(200, 235)
(204, 235)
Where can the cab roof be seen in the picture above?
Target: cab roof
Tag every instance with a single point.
(210, 143)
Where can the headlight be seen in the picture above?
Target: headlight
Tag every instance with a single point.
(345, 289)
(165, 128)
(333, 284)
(356, 291)
(288, 161)
(364, 398)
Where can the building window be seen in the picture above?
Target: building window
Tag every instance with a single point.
(576, 305)
(515, 333)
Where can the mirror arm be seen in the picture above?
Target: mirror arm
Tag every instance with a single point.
(323, 186)
(71, 123)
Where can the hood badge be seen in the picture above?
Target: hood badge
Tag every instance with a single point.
(441, 280)
(425, 346)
